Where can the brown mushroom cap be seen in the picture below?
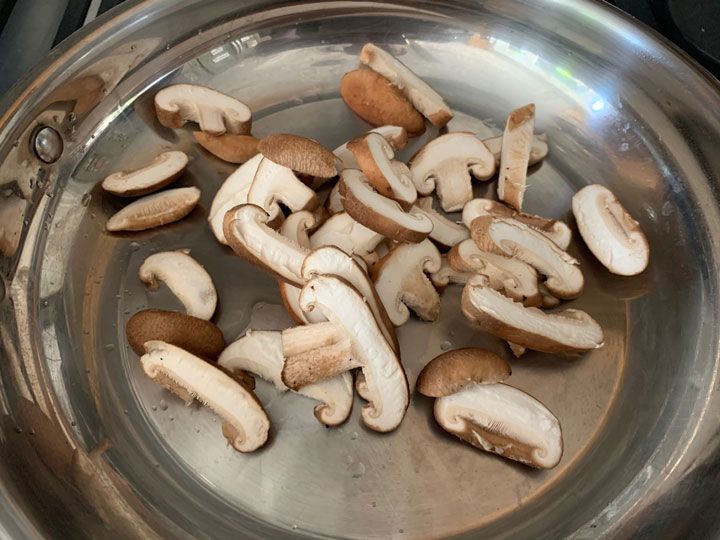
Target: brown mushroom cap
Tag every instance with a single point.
(377, 101)
(450, 372)
(197, 336)
(299, 154)
(228, 147)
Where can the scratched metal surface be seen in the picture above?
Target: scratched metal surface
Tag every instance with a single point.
(639, 416)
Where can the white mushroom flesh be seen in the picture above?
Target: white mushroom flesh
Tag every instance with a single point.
(215, 112)
(274, 183)
(344, 232)
(503, 420)
(564, 278)
(610, 232)
(445, 232)
(446, 164)
(401, 282)
(387, 385)
(447, 274)
(185, 277)
(333, 204)
(261, 353)
(146, 179)
(295, 228)
(246, 424)
(233, 192)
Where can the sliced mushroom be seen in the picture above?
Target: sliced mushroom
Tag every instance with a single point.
(331, 260)
(556, 230)
(185, 277)
(454, 370)
(296, 228)
(247, 233)
(538, 150)
(374, 99)
(446, 163)
(447, 274)
(197, 336)
(387, 385)
(564, 278)
(161, 171)
(261, 353)
(568, 332)
(516, 279)
(378, 213)
(215, 112)
(333, 204)
(444, 232)
(155, 210)
(480, 233)
(503, 420)
(300, 154)
(549, 301)
(395, 135)
(245, 424)
(423, 97)
(401, 282)
(275, 183)
(343, 232)
(232, 193)
(515, 155)
(361, 385)
(313, 353)
(228, 147)
(610, 232)
(387, 175)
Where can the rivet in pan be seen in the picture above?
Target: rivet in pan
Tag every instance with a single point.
(48, 144)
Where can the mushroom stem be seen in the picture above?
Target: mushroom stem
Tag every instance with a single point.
(515, 155)
(314, 352)
(248, 234)
(538, 150)
(260, 352)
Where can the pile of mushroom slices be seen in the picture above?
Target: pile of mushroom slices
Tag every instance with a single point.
(352, 268)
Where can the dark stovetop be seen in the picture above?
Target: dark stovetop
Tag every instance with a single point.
(693, 25)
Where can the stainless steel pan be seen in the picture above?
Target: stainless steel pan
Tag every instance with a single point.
(90, 448)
